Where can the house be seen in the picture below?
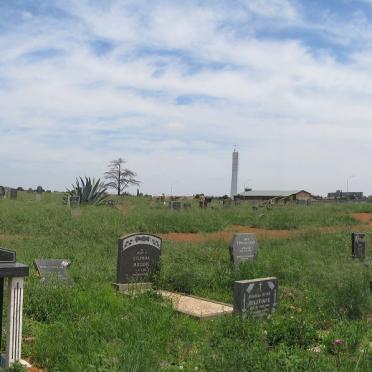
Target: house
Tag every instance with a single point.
(339, 194)
(262, 195)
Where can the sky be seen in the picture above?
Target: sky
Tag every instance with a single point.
(172, 86)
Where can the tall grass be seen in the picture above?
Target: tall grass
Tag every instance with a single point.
(89, 327)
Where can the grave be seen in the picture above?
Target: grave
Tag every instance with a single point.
(175, 205)
(13, 194)
(49, 269)
(138, 259)
(226, 203)
(73, 201)
(243, 247)
(197, 307)
(15, 272)
(358, 246)
(257, 297)
(2, 192)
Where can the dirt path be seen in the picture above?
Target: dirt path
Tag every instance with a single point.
(225, 235)
(228, 233)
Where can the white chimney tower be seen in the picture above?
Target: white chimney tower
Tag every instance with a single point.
(234, 175)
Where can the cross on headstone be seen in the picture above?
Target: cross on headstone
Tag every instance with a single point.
(257, 297)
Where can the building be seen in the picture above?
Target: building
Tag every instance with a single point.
(234, 173)
(262, 195)
(339, 194)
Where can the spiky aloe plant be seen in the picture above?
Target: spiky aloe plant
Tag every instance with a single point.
(90, 190)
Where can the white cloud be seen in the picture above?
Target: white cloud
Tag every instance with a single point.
(292, 112)
(272, 8)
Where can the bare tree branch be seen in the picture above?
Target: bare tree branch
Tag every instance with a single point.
(120, 178)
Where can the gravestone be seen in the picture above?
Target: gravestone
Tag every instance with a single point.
(138, 259)
(73, 201)
(49, 269)
(2, 192)
(256, 297)
(226, 203)
(243, 247)
(15, 272)
(175, 205)
(358, 246)
(13, 194)
(38, 197)
(7, 256)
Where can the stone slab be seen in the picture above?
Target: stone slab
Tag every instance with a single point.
(132, 288)
(49, 268)
(197, 307)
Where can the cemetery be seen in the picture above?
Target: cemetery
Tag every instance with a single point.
(115, 288)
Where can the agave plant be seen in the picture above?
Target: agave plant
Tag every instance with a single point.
(89, 190)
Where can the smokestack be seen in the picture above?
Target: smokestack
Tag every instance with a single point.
(234, 175)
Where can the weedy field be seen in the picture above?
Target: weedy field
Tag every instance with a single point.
(324, 294)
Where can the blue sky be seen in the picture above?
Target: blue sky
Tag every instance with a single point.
(172, 86)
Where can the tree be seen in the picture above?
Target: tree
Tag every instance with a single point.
(119, 177)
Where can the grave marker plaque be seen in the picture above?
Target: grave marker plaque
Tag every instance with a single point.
(358, 245)
(138, 257)
(53, 268)
(243, 247)
(256, 297)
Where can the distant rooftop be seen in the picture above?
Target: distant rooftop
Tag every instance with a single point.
(273, 193)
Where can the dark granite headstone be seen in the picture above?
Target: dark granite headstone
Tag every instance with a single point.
(13, 194)
(243, 247)
(7, 256)
(73, 201)
(9, 267)
(53, 268)
(358, 245)
(138, 257)
(256, 297)
(2, 192)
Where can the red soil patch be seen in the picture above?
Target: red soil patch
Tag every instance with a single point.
(363, 217)
(225, 235)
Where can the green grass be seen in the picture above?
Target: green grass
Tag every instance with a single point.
(324, 294)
